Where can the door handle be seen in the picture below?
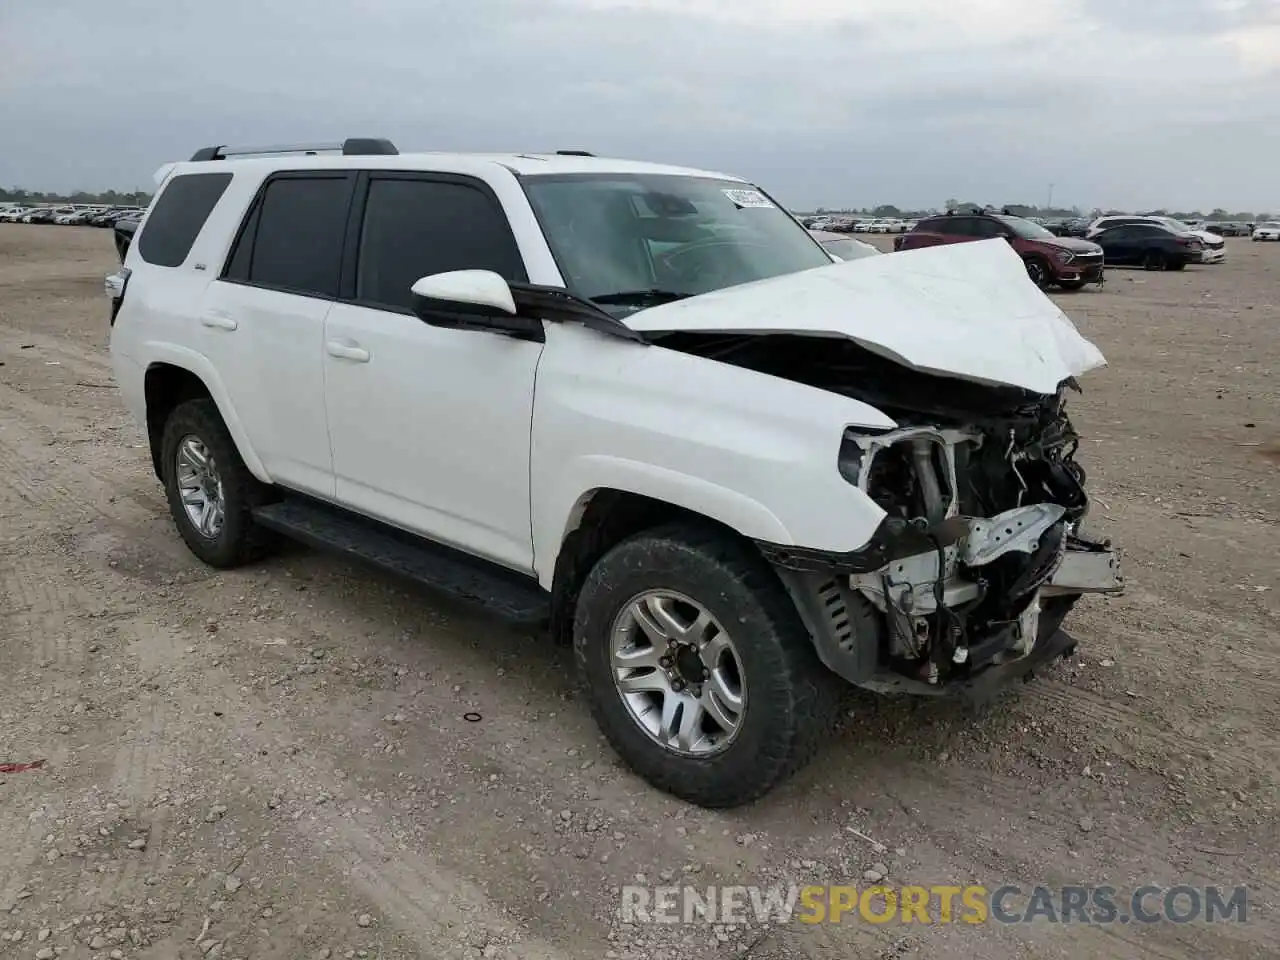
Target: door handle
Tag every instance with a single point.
(219, 321)
(347, 350)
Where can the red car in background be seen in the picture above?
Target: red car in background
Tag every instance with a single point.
(1068, 262)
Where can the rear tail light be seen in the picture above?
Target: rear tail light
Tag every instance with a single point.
(115, 285)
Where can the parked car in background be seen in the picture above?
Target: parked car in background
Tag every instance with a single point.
(122, 232)
(846, 248)
(1270, 230)
(1213, 249)
(1231, 228)
(888, 225)
(1152, 246)
(13, 214)
(39, 215)
(1066, 261)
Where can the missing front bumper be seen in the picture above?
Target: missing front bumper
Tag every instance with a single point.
(918, 623)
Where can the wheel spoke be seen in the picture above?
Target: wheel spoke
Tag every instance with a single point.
(697, 631)
(631, 658)
(659, 609)
(652, 628)
(651, 681)
(713, 650)
(206, 518)
(192, 496)
(690, 732)
(714, 704)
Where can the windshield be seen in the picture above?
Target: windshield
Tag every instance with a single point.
(635, 240)
(850, 249)
(1173, 224)
(1026, 229)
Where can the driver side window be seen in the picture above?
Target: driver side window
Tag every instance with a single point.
(415, 227)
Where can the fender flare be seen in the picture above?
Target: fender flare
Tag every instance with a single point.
(197, 364)
(748, 517)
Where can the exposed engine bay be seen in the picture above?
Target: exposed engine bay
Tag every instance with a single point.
(980, 554)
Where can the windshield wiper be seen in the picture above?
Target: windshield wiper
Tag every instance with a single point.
(641, 298)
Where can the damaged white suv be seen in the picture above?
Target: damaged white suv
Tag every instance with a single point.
(639, 403)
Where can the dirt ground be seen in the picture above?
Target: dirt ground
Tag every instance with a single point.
(274, 763)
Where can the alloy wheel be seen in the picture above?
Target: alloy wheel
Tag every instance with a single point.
(678, 673)
(200, 487)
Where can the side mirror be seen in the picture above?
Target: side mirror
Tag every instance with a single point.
(475, 300)
(481, 293)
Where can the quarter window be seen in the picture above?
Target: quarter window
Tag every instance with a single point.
(417, 227)
(178, 217)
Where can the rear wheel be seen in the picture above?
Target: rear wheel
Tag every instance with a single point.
(1176, 265)
(697, 667)
(1154, 260)
(211, 492)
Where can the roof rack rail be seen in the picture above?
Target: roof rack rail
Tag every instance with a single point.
(574, 153)
(351, 147)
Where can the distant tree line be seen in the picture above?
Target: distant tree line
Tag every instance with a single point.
(1048, 213)
(110, 197)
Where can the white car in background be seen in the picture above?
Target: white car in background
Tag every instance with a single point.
(1215, 247)
(887, 225)
(843, 246)
(1270, 230)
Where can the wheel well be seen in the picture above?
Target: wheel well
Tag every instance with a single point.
(166, 386)
(605, 520)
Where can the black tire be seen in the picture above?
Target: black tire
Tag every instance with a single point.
(1039, 271)
(240, 540)
(791, 698)
(1176, 265)
(1154, 260)
(1071, 284)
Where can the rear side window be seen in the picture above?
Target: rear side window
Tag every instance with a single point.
(293, 238)
(415, 227)
(179, 215)
(982, 227)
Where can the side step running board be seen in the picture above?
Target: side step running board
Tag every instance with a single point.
(502, 592)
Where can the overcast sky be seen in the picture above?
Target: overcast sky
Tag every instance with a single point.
(1127, 103)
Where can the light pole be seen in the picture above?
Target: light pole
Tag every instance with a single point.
(1049, 206)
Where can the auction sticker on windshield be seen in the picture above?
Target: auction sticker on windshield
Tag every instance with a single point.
(748, 198)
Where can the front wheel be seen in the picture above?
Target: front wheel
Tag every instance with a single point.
(1038, 272)
(697, 666)
(1154, 260)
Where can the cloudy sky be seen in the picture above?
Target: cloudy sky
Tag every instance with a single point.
(1127, 103)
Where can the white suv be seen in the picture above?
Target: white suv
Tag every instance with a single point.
(636, 402)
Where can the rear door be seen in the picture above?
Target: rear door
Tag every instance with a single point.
(262, 321)
(1120, 245)
(929, 233)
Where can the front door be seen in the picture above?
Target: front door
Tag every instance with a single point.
(431, 426)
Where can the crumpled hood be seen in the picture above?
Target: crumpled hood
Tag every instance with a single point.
(962, 310)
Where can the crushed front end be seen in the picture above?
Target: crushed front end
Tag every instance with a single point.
(980, 555)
